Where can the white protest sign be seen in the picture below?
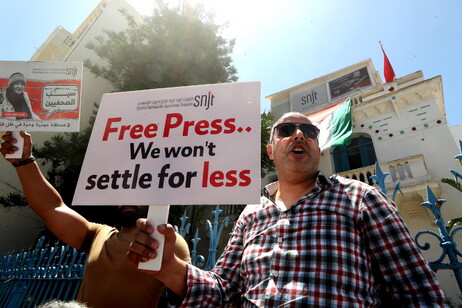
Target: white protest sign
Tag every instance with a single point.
(185, 145)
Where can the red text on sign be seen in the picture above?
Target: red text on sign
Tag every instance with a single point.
(229, 178)
(173, 122)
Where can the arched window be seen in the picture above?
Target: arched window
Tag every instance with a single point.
(359, 153)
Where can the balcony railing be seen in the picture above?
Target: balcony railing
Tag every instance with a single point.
(408, 170)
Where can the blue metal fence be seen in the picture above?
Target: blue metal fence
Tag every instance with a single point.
(215, 231)
(448, 259)
(46, 271)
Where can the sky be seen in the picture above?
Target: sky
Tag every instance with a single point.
(288, 42)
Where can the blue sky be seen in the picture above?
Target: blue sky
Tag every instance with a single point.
(287, 42)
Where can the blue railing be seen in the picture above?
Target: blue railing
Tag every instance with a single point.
(215, 231)
(446, 239)
(46, 271)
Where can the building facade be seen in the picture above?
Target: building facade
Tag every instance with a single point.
(402, 125)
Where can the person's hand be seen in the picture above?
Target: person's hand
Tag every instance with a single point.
(173, 271)
(8, 147)
(144, 247)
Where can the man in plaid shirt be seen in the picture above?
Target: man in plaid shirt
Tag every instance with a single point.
(313, 241)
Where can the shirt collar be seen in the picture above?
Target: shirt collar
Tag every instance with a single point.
(322, 182)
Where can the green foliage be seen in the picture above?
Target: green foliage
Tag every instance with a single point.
(174, 47)
(64, 153)
(453, 222)
(267, 164)
(453, 183)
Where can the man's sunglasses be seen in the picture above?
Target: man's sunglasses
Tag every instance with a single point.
(288, 129)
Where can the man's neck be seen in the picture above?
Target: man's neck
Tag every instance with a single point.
(289, 192)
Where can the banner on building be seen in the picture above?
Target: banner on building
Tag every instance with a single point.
(349, 83)
(40, 96)
(185, 145)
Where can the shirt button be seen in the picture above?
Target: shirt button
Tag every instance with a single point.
(280, 240)
(283, 215)
(275, 273)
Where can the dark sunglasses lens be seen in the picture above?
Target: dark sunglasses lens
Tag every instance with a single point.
(309, 131)
(286, 129)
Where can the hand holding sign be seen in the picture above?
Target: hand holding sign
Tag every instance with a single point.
(157, 215)
(19, 144)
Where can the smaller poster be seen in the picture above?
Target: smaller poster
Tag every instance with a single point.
(40, 96)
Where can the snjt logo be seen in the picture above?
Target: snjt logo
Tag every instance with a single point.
(205, 100)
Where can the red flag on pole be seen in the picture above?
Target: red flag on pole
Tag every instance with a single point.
(388, 71)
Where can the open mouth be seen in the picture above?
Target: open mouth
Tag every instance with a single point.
(298, 149)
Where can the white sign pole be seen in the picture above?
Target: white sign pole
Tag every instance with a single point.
(19, 144)
(157, 215)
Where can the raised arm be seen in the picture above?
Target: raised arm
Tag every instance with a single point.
(69, 226)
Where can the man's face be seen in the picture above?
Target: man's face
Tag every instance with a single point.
(295, 154)
(129, 214)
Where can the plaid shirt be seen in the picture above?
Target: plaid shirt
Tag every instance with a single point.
(332, 248)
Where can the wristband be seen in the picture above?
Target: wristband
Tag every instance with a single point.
(24, 161)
